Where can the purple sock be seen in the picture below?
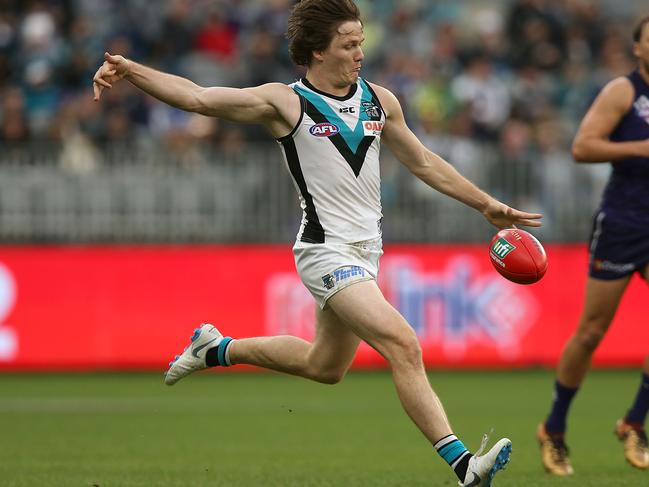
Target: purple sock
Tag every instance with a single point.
(556, 422)
(638, 412)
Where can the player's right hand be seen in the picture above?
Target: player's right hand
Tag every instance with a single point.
(113, 69)
(503, 216)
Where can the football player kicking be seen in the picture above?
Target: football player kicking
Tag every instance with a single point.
(329, 126)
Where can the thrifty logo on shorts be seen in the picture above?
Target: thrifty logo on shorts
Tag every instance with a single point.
(342, 274)
(502, 247)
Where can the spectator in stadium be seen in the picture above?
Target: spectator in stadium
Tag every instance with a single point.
(486, 94)
(536, 35)
(329, 126)
(13, 126)
(616, 130)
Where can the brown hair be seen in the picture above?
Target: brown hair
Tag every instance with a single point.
(313, 24)
(637, 32)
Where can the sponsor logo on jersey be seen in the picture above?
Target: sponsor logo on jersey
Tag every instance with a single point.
(324, 130)
(348, 110)
(372, 128)
(501, 248)
(642, 108)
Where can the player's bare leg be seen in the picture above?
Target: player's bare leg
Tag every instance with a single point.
(600, 304)
(364, 309)
(630, 429)
(325, 360)
(358, 311)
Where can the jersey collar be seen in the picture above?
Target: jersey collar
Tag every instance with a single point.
(352, 91)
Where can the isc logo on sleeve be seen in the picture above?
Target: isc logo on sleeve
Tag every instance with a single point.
(324, 130)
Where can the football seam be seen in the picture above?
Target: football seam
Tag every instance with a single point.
(538, 269)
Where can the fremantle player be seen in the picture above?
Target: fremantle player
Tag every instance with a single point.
(329, 127)
(616, 130)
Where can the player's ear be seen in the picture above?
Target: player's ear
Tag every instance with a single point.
(318, 56)
(636, 49)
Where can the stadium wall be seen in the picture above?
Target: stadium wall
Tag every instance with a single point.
(134, 307)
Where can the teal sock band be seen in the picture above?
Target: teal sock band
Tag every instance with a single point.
(451, 449)
(451, 452)
(220, 351)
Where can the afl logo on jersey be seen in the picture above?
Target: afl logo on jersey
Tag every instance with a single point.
(324, 130)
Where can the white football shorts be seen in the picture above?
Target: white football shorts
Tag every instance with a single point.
(327, 268)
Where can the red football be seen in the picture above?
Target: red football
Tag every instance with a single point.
(518, 256)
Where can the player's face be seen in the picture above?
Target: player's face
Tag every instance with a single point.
(641, 48)
(343, 58)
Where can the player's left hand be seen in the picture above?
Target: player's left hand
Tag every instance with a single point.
(503, 216)
(113, 69)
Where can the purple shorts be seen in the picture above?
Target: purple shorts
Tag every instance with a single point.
(619, 246)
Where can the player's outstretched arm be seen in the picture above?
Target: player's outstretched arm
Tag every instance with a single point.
(248, 105)
(592, 142)
(439, 174)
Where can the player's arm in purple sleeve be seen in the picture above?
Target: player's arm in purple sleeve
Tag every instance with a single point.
(592, 142)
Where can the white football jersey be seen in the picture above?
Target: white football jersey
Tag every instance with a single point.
(333, 156)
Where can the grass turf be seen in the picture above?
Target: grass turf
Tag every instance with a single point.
(268, 430)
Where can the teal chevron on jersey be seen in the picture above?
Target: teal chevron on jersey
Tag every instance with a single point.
(352, 138)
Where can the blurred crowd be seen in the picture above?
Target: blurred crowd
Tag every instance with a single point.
(517, 74)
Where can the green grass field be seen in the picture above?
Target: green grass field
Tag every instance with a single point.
(269, 430)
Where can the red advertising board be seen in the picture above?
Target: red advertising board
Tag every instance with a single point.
(135, 307)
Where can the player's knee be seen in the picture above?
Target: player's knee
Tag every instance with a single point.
(413, 354)
(405, 350)
(327, 375)
(590, 337)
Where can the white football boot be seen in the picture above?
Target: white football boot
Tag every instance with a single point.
(482, 468)
(193, 357)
